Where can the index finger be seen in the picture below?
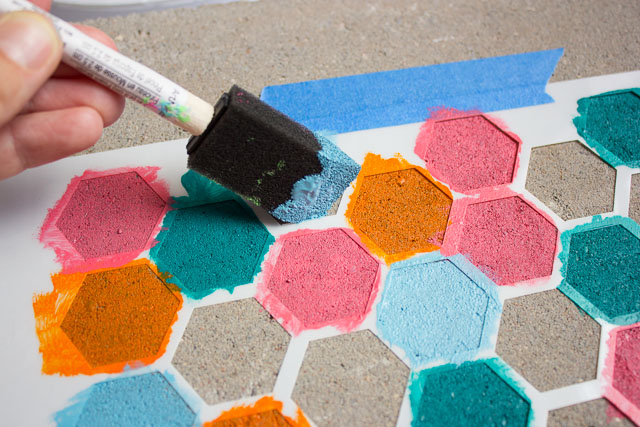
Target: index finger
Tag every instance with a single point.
(42, 4)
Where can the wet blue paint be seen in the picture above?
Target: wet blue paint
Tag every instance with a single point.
(314, 195)
(474, 393)
(601, 268)
(437, 308)
(610, 123)
(211, 240)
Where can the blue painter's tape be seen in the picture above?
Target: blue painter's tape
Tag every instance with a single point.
(389, 98)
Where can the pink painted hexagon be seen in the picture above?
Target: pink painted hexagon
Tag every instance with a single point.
(467, 150)
(506, 238)
(622, 370)
(106, 217)
(316, 278)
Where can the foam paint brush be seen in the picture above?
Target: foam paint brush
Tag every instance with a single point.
(242, 143)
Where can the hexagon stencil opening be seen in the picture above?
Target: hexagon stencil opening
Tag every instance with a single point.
(351, 380)
(508, 240)
(120, 315)
(231, 351)
(472, 394)
(610, 123)
(398, 209)
(548, 340)
(571, 180)
(142, 400)
(438, 308)
(319, 278)
(601, 268)
(106, 219)
(213, 246)
(469, 152)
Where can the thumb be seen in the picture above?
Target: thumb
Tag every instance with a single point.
(30, 51)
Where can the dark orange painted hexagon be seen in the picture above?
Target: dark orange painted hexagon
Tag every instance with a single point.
(401, 211)
(120, 315)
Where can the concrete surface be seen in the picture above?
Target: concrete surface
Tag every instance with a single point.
(571, 180)
(548, 340)
(282, 41)
(595, 413)
(231, 350)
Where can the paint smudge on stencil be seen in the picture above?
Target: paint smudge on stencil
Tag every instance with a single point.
(131, 401)
(467, 150)
(601, 268)
(265, 412)
(211, 240)
(437, 308)
(106, 320)
(316, 278)
(504, 236)
(106, 219)
(397, 209)
(474, 393)
(622, 370)
(610, 123)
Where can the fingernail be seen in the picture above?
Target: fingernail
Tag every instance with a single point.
(28, 39)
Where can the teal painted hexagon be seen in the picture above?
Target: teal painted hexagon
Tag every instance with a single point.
(474, 393)
(210, 240)
(438, 309)
(601, 268)
(610, 123)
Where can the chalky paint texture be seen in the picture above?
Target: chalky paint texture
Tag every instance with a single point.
(265, 412)
(105, 321)
(621, 371)
(120, 315)
(610, 123)
(319, 278)
(626, 371)
(212, 240)
(106, 218)
(467, 150)
(313, 196)
(508, 240)
(398, 209)
(143, 400)
(601, 268)
(474, 393)
(438, 308)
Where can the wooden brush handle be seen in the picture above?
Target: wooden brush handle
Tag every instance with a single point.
(125, 76)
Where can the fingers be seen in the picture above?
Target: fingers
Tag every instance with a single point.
(30, 51)
(58, 94)
(34, 139)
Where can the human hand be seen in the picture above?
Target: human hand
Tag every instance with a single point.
(47, 110)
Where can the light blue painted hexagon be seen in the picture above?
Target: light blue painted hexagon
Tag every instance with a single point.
(438, 308)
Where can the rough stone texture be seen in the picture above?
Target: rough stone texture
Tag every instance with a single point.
(594, 413)
(571, 180)
(548, 340)
(282, 41)
(634, 204)
(351, 380)
(231, 350)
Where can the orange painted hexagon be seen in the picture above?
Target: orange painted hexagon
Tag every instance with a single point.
(398, 209)
(265, 412)
(105, 320)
